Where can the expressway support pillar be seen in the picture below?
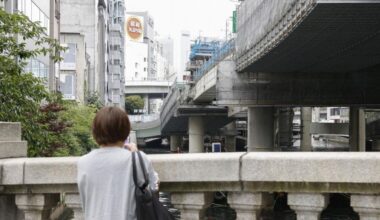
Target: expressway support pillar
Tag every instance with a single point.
(230, 143)
(175, 143)
(260, 128)
(305, 125)
(146, 104)
(357, 129)
(196, 132)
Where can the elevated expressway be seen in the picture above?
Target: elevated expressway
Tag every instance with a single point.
(307, 53)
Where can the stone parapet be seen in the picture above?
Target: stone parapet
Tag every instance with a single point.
(10, 131)
(248, 177)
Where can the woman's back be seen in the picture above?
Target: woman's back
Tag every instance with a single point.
(106, 185)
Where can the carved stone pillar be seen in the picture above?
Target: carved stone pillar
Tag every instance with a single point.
(308, 206)
(191, 205)
(368, 206)
(36, 206)
(72, 201)
(248, 205)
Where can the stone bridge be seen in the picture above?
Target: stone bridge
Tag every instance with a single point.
(30, 187)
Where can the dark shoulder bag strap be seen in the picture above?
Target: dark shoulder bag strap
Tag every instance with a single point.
(134, 169)
(143, 168)
(142, 165)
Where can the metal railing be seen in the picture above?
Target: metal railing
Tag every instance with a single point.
(144, 118)
(225, 50)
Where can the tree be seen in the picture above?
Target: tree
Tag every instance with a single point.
(82, 117)
(93, 99)
(133, 102)
(22, 94)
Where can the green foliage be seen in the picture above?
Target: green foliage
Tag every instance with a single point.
(81, 117)
(60, 141)
(93, 99)
(133, 102)
(23, 97)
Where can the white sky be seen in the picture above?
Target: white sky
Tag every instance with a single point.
(205, 17)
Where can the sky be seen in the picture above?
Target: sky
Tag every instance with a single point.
(200, 17)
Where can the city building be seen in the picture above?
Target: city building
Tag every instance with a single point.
(47, 12)
(101, 25)
(331, 114)
(116, 62)
(146, 70)
(184, 50)
(148, 39)
(74, 67)
(165, 46)
(81, 17)
(136, 61)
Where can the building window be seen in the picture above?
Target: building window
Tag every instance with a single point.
(144, 59)
(37, 68)
(116, 77)
(136, 74)
(116, 61)
(335, 111)
(69, 57)
(144, 69)
(136, 65)
(67, 84)
(33, 12)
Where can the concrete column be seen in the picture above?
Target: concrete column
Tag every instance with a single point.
(192, 205)
(368, 206)
(146, 104)
(175, 142)
(308, 206)
(72, 201)
(357, 129)
(36, 206)
(305, 125)
(196, 132)
(248, 205)
(260, 129)
(230, 141)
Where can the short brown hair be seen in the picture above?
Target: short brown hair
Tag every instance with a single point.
(110, 125)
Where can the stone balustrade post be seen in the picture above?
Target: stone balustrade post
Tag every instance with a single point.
(248, 205)
(368, 206)
(308, 206)
(11, 145)
(36, 206)
(192, 205)
(72, 201)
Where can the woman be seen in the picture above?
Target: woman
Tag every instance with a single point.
(104, 178)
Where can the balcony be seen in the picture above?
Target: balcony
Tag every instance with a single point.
(115, 69)
(116, 27)
(114, 84)
(116, 55)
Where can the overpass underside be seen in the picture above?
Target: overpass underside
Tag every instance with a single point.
(315, 53)
(213, 118)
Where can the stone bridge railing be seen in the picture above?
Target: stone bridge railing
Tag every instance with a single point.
(30, 187)
(33, 185)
